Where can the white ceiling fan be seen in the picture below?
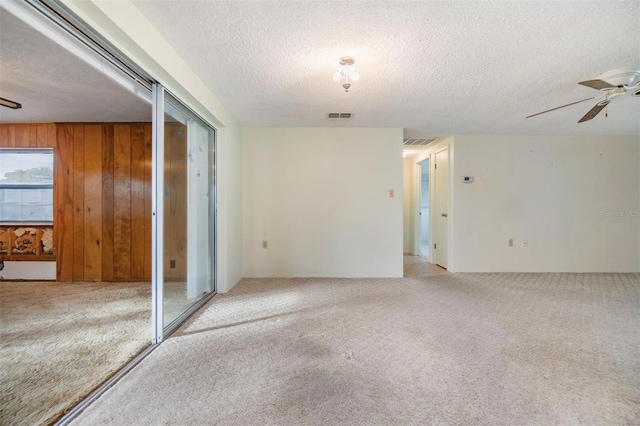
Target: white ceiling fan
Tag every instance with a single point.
(611, 84)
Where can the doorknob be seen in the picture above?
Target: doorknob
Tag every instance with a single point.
(444, 215)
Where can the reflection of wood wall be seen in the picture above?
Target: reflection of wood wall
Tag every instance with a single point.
(26, 243)
(27, 135)
(102, 197)
(175, 201)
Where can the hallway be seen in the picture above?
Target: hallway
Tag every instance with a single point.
(418, 266)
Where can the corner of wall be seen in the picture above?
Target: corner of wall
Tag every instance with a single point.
(124, 25)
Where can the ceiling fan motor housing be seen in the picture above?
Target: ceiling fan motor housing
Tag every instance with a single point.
(621, 77)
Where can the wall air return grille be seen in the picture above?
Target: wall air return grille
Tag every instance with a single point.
(417, 142)
(339, 115)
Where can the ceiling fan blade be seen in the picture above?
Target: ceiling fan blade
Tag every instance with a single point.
(597, 84)
(594, 111)
(553, 109)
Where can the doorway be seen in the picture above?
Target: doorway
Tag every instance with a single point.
(420, 263)
(424, 209)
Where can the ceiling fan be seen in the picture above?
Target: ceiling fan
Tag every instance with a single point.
(611, 85)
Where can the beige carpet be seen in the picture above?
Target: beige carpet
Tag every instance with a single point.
(466, 349)
(58, 341)
(176, 301)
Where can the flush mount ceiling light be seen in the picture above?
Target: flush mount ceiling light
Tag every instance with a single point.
(10, 104)
(346, 73)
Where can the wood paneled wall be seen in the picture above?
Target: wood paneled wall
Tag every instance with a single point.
(102, 202)
(102, 196)
(175, 202)
(27, 135)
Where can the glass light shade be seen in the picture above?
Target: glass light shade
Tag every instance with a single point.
(347, 69)
(337, 76)
(354, 76)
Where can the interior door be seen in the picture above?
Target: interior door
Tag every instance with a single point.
(441, 219)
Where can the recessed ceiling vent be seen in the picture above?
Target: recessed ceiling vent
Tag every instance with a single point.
(339, 115)
(417, 142)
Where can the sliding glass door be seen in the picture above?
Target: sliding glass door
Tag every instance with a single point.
(185, 212)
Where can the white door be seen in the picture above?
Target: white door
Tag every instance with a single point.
(441, 210)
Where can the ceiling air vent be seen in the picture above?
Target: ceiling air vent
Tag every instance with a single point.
(339, 115)
(417, 142)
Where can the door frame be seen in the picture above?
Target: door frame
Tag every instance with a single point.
(159, 330)
(429, 154)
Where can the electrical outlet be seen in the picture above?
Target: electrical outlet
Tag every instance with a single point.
(265, 244)
(510, 242)
(525, 243)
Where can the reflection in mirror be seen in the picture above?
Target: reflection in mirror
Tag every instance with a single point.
(187, 213)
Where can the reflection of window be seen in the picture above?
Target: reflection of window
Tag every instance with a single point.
(26, 185)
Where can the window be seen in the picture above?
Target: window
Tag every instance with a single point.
(26, 185)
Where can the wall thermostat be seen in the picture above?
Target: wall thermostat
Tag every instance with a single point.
(467, 179)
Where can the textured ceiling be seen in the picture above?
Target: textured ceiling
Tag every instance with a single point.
(433, 68)
(55, 85)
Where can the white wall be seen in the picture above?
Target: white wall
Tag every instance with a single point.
(575, 199)
(407, 205)
(20, 270)
(126, 27)
(320, 196)
(233, 209)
